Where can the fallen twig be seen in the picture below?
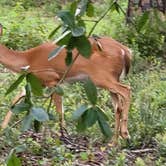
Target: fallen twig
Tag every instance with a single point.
(141, 150)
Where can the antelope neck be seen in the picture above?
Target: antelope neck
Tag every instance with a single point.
(13, 60)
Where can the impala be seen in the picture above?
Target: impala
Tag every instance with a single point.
(104, 67)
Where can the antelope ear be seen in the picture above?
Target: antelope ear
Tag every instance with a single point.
(1, 29)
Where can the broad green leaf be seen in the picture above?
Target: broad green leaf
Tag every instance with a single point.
(71, 44)
(15, 84)
(81, 124)
(142, 21)
(103, 124)
(58, 90)
(81, 23)
(90, 116)
(64, 38)
(28, 94)
(73, 7)
(13, 160)
(101, 114)
(83, 46)
(90, 10)
(20, 107)
(91, 91)
(55, 52)
(105, 128)
(20, 148)
(36, 85)
(54, 31)
(78, 31)
(67, 18)
(27, 122)
(78, 113)
(69, 58)
(39, 114)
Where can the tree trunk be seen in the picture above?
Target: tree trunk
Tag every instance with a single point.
(139, 6)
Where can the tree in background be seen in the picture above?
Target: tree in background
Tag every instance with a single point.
(139, 6)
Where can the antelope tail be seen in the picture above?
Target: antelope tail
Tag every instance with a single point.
(127, 57)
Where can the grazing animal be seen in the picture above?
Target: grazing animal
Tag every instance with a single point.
(104, 67)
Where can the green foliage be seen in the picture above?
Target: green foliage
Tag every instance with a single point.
(23, 32)
(35, 83)
(39, 114)
(87, 117)
(147, 34)
(13, 160)
(161, 139)
(139, 162)
(27, 122)
(20, 107)
(15, 84)
(54, 53)
(147, 111)
(146, 116)
(91, 91)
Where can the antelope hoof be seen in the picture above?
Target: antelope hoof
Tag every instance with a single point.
(125, 134)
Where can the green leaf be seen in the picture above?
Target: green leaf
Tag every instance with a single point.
(73, 7)
(58, 90)
(15, 84)
(84, 156)
(54, 31)
(67, 18)
(78, 113)
(81, 124)
(90, 10)
(83, 46)
(103, 124)
(142, 21)
(101, 114)
(28, 94)
(64, 38)
(91, 91)
(78, 31)
(20, 107)
(90, 116)
(81, 23)
(105, 128)
(55, 52)
(39, 114)
(20, 148)
(27, 122)
(13, 160)
(36, 86)
(69, 58)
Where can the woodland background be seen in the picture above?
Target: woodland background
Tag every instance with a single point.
(28, 23)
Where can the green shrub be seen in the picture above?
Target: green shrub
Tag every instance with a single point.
(147, 35)
(147, 113)
(22, 32)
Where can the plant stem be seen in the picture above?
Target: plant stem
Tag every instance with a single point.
(97, 22)
(68, 69)
(75, 58)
